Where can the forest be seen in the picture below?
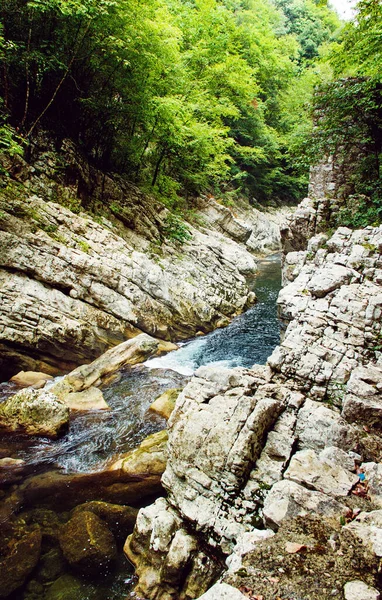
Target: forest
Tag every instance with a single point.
(182, 97)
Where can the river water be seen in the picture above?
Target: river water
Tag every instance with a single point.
(97, 437)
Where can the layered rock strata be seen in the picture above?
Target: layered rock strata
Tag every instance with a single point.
(259, 452)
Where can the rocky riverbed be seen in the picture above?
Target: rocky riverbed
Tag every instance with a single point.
(274, 472)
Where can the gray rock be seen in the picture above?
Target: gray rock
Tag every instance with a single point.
(310, 470)
(367, 527)
(287, 499)
(222, 591)
(358, 590)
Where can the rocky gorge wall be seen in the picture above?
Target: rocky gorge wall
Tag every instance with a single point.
(88, 261)
(274, 477)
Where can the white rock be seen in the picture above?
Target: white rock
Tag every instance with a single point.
(307, 469)
(222, 591)
(358, 590)
(287, 499)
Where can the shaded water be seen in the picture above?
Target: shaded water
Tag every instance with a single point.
(249, 339)
(97, 437)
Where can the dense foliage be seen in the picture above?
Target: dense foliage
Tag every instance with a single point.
(348, 115)
(179, 95)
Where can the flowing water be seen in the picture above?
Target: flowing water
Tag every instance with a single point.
(96, 438)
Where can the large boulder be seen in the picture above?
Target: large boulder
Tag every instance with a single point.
(34, 412)
(120, 519)
(87, 543)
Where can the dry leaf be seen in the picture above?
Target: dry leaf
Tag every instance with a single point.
(292, 547)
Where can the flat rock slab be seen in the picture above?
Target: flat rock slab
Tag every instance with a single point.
(308, 469)
(287, 499)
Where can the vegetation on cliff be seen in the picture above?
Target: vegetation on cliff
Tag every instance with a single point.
(179, 96)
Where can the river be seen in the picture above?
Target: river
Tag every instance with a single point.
(97, 436)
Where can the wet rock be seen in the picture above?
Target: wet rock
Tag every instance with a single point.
(33, 412)
(18, 559)
(165, 404)
(149, 458)
(222, 591)
(355, 590)
(131, 352)
(52, 564)
(90, 399)
(287, 499)
(87, 543)
(120, 519)
(31, 379)
(68, 587)
(64, 492)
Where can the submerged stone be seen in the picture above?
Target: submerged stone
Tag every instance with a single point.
(87, 543)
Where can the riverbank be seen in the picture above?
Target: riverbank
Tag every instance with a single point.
(87, 260)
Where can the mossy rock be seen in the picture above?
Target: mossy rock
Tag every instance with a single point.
(149, 458)
(68, 587)
(120, 519)
(87, 543)
(19, 557)
(165, 404)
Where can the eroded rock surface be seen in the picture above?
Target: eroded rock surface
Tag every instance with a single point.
(271, 446)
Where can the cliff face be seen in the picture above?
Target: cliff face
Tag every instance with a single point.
(74, 283)
(264, 464)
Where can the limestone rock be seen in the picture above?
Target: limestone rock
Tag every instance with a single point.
(287, 500)
(217, 433)
(89, 399)
(31, 379)
(167, 559)
(373, 474)
(310, 470)
(367, 527)
(318, 427)
(363, 400)
(34, 412)
(223, 591)
(130, 352)
(71, 288)
(357, 590)
(165, 404)
(327, 279)
(87, 543)
(149, 458)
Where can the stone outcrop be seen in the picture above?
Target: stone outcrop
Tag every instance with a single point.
(73, 284)
(273, 447)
